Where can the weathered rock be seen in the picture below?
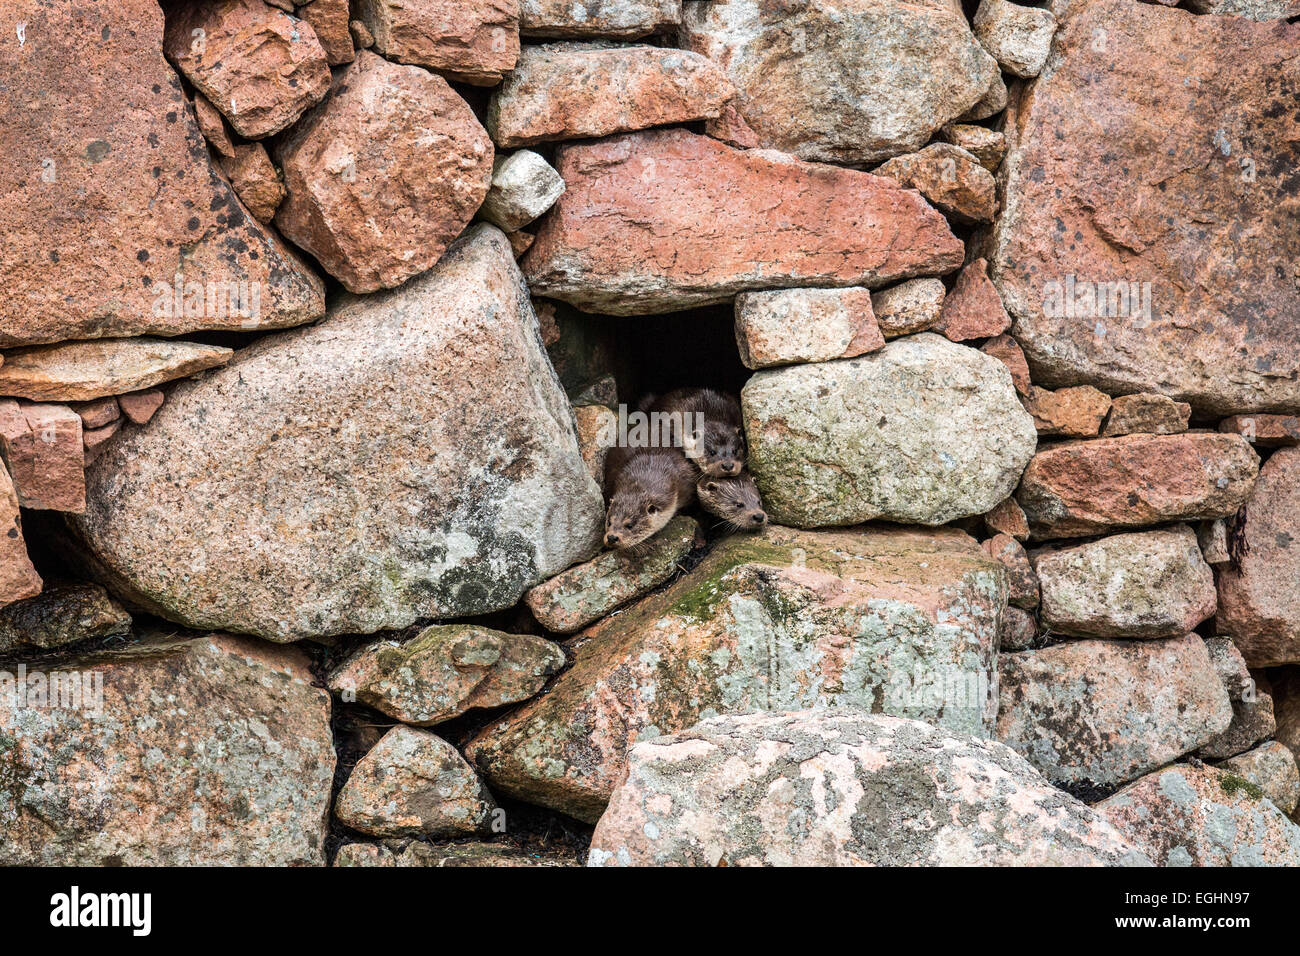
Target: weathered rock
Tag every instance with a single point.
(973, 309)
(922, 431)
(1146, 413)
(1019, 631)
(113, 212)
(951, 178)
(42, 447)
(212, 125)
(1007, 517)
(898, 621)
(577, 91)
(413, 783)
(846, 81)
(1193, 815)
(1251, 9)
(587, 592)
(1268, 431)
(1259, 601)
(472, 42)
(986, 145)
(828, 788)
(446, 670)
(1072, 708)
(1223, 339)
(139, 407)
(612, 19)
(1252, 709)
(1144, 584)
(18, 578)
(1022, 582)
(1091, 487)
(804, 325)
(329, 18)
(1075, 412)
(100, 412)
(1019, 38)
(595, 423)
(95, 440)
(523, 187)
(417, 854)
(81, 371)
(1285, 689)
(908, 307)
(362, 38)
(383, 175)
(64, 614)
(1213, 539)
(261, 67)
(410, 457)
(1272, 768)
(255, 180)
(206, 752)
(990, 104)
(662, 220)
(1007, 351)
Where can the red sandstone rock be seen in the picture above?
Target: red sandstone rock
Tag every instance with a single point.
(139, 407)
(1068, 412)
(973, 309)
(255, 180)
(212, 125)
(951, 178)
(383, 175)
(1146, 413)
(1021, 579)
(96, 439)
(98, 413)
(608, 19)
(1007, 351)
(18, 579)
(259, 66)
(41, 444)
(1268, 431)
(82, 371)
(472, 41)
(329, 18)
(662, 220)
(1008, 518)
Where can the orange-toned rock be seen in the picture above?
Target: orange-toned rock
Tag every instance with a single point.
(81, 371)
(1068, 412)
(18, 579)
(261, 67)
(577, 91)
(662, 220)
(1090, 487)
(98, 413)
(973, 309)
(471, 41)
(94, 440)
(139, 407)
(42, 446)
(1007, 351)
(255, 180)
(1008, 518)
(1091, 253)
(329, 18)
(1268, 431)
(112, 210)
(383, 175)
(951, 178)
(212, 125)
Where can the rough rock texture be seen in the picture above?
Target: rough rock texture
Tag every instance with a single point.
(908, 307)
(1075, 412)
(523, 187)
(587, 592)
(472, 41)
(1090, 487)
(212, 125)
(1148, 414)
(412, 456)
(18, 578)
(1019, 631)
(1022, 581)
(383, 175)
(41, 446)
(446, 670)
(663, 220)
(951, 178)
(1007, 351)
(611, 19)
(413, 783)
(1269, 431)
(1259, 599)
(81, 371)
(100, 412)
(990, 104)
(1223, 336)
(846, 81)
(214, 751)
(923, 431)
(830, 788)
(973, 309)
(595, 423)
(802, 325)
(1252, 9)
(903, 622)
(577, 91)
(96, 439)
(261, 67)
(1139, 585)
(1272, 768)
(1007, 518)
(417, 854)
(1188, 815)
(256, 180)
(329, 18)
(64, 614)
(108, 195)
(1252, 708)
(986, 145)
(1073, 709)
(139, 407)
(1018, 37)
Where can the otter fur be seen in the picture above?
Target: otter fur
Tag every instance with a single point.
(646, 487)
(715, 440)
(733, 499)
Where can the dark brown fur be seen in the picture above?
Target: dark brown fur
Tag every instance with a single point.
(646, 487)
(717, 446)
(735, 500)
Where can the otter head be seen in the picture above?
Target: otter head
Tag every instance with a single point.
(735, 500)
(635, 514)
(718, 449)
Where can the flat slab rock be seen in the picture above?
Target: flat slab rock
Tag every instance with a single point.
(215, 751)
(612, 19)
(1190, 815)
(417, 854)
(662, 220)
(81, 371)
(1222, 194)
(62, 614)
(923, 430)
(413, 456)
(473, 41)
(829, 788)
(785, 326)
(108, 194)
(1073, 709)
(903, 621)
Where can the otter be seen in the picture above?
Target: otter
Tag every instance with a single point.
(733, 499)
(715, 440)
(646, 487)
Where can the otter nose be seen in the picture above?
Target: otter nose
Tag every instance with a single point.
(730, 467)
(612, 539)
(758, 517)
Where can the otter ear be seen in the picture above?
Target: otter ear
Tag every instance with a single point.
(652, 509)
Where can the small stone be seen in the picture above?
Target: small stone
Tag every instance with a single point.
(991, 103)
(1252, 709)
(1213, 539)
(595, 424)
(413, 783)
(523, 187)
(471, 41)
(1267, 431)
(1018, 631)
(18, 578)
(82, 371)
(1007, 351)
(604, 19)
(1007, 517)
(42, 447)
(587, 592)
(577, 91)
(1021, 578)
(1146, 413)
(418, 854)
(1019, 38)
(361, 35)
(61, 615)
(212, 125)
(139, 407)
(1272, 768)
(986, 145)
(730, 127)
(1075, 412)
(805, 325)
(329, 18)
(912, 306)
(951, 178)
(98, 413)
(255, 179)
(520, 242)
(94, 440)
(973, 309)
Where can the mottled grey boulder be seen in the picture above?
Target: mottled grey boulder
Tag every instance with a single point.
(1272, 768)
(1252, 708)
(412, 456)
(924, 431)
(840, 787)
(65, 614)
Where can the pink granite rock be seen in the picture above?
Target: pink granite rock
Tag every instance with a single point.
(42, 446)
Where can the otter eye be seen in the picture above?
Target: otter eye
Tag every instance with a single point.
(627, 524)
(652, 509)
(712, 486)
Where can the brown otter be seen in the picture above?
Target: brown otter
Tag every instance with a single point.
(733, 499)
(715, 433)
(646, 487)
